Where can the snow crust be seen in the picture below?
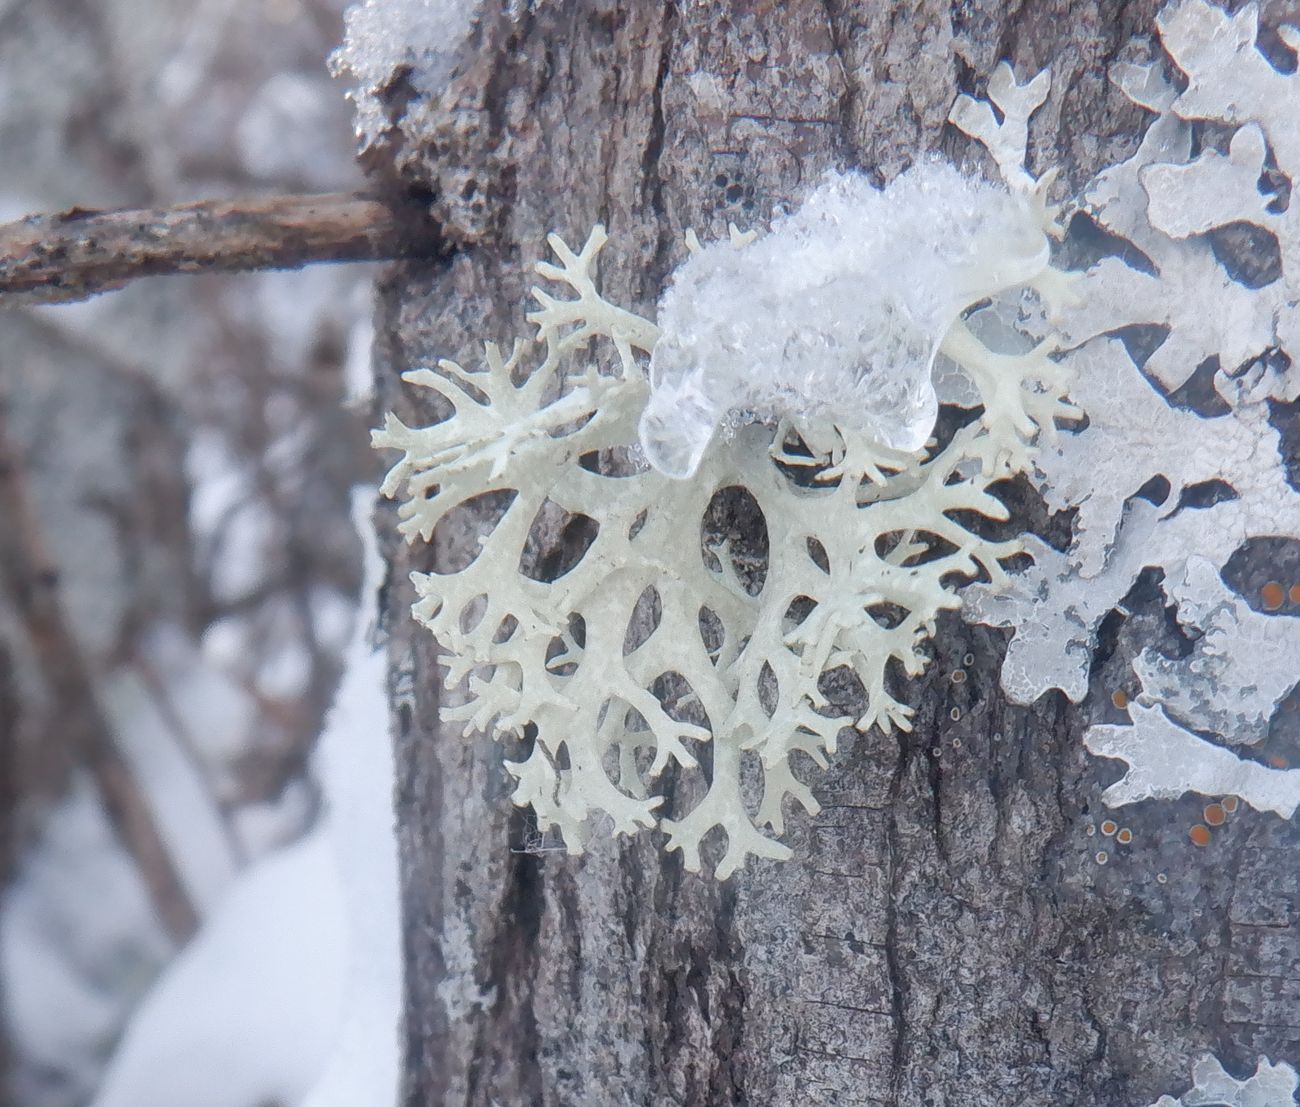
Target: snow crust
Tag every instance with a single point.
(59, 1010)
(386, 38)
(836, 314)
(247, 1013)
(71, 974)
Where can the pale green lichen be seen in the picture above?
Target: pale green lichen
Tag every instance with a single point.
(866, 546)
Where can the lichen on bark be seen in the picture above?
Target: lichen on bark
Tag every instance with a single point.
(956, 939)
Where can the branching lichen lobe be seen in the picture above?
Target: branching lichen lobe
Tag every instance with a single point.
(855, 524)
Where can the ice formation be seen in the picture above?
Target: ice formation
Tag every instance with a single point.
(866, 543)
(836, 315)
(1163, 202)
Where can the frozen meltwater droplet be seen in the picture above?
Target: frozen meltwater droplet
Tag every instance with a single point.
(898, 401)
(675, 430)
(908, 426)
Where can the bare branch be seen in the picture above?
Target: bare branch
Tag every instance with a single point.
(73, 255)
(29, 574)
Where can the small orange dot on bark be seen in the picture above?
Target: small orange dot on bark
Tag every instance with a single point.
(1279, 762)
(1200, 835)
(1272, 595)
(1124, 837)
(1108, 828)
(1230, 804)
(1119, 698)
(1295, 593)
(1214, 814)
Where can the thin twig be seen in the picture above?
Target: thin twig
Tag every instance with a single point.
(73, 255)
(30, 574)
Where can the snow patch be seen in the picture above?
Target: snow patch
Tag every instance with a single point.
(291, 992)
(384, 39)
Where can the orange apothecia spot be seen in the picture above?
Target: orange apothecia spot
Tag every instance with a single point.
(1230, 804)
(1214, 814)
(1102, 857)
(1295, 593)
(1108, 828)
(1272, 595)
(1119, 698)
(1124, 837)
(1200, 835)
(1279, 762)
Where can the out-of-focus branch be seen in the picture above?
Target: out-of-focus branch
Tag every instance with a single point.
(73, 255)
(28, 573)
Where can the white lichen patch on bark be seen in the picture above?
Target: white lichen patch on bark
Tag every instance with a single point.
(651, 645)
(1165, 761)
(1239, 667)
(1269, 1085)
(1164, 203)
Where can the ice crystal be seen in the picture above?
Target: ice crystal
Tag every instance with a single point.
(654, 642)
(837, 314)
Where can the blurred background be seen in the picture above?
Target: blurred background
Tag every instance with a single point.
(182, 453)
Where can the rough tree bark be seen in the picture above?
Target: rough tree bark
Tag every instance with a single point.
(944, 934)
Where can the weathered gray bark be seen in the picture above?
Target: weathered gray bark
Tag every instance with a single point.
(944, 934)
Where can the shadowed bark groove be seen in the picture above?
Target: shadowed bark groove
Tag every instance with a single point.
(945, 934)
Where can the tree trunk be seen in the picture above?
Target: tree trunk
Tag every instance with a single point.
(944, 933)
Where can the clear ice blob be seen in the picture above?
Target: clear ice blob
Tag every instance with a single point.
(837, 314)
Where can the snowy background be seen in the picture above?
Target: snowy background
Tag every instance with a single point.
(188, 448)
